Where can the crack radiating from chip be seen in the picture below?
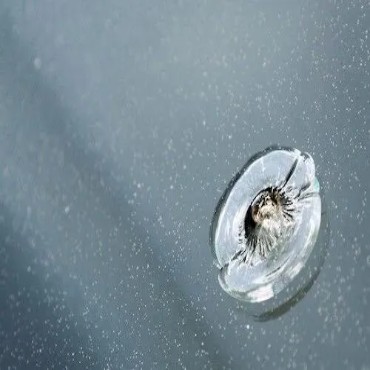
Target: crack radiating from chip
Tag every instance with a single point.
(266, 223)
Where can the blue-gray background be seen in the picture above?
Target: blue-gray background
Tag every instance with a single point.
(121, 123)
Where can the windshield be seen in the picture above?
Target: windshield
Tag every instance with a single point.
(121, 125)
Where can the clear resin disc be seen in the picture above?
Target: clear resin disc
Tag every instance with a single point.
(266, 224)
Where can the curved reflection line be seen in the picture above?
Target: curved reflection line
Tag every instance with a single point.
(321, 254)
(288, 305)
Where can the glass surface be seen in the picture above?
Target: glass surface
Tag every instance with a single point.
(121, 124)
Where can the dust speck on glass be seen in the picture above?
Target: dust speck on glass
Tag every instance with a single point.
(266, 224)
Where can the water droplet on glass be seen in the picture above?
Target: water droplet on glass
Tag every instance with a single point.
(266, 224)
(37, 63)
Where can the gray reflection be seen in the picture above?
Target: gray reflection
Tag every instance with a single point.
(124, 317)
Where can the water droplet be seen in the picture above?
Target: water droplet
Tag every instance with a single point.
(37, 63)
(266, 224)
